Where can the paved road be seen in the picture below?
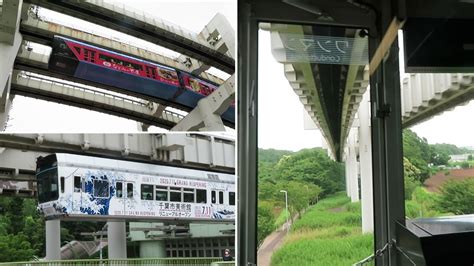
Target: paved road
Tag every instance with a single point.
(270, 245)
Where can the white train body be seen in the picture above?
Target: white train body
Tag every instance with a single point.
(83, 187)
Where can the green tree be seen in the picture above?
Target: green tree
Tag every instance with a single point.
(411, 177)
(15, 248)
(265, 221)
(457, 196)
(418, 152)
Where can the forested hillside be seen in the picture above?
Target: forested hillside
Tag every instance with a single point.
(307, 175)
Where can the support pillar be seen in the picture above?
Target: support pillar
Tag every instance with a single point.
(117, 240)
(353, 167)
(365, 153)
(53, 240)
(387, 152)
(347, 172)
(153, 249)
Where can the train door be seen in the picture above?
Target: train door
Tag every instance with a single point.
(89, 55)
(217, 197)
(125, 192)
(77, 193)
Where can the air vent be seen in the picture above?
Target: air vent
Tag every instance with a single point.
(213, 176)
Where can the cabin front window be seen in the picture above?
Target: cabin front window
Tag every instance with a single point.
(48, 187)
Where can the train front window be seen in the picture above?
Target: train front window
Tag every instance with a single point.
(101, 188)
(201, 196)
(48, 188)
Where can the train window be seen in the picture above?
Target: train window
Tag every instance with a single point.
(119, 189)
(188, 194)
(150, 72)
(161, 193)
(77, 184)
(231, 198)
(213, 196)
(101, 188)
(62, 184)
(201, 196)
(175, 194)
(129, 190)
(147, 192)
(89, 55)
(221, 197)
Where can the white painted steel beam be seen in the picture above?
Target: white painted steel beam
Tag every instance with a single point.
(190, 150)
(219, 34)
(206, 115)
(90, 99)
(426, 95)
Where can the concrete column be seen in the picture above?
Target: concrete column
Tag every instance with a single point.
(353, 168)
(347, 171)
(152, 249)
(117, 240)
(365, 152)
(53, 240)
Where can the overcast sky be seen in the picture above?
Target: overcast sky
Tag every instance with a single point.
(31, 115)
(281, 113)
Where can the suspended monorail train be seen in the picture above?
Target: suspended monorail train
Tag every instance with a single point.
(92, 63)
(77, 187)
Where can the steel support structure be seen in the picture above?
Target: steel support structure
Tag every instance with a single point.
(387, 154)
(386, 119)
(247, 135)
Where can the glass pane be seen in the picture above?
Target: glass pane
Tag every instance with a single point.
(231, 198)
(77, 184)
(213, 196)
(188, 197)
(201, 196)
(146, 192)
(175, 196)
(129, 190)
(161, 195)
(101, 188)
(119, 189)
(221, 197)
(62, 184)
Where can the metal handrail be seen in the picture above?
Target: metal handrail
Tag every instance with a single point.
(119, 262)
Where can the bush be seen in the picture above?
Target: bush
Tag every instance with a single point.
(457, 196)
(265, 222)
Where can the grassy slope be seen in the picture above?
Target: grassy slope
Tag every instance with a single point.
(327, 234)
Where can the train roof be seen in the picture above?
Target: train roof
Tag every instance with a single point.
(74, 160)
